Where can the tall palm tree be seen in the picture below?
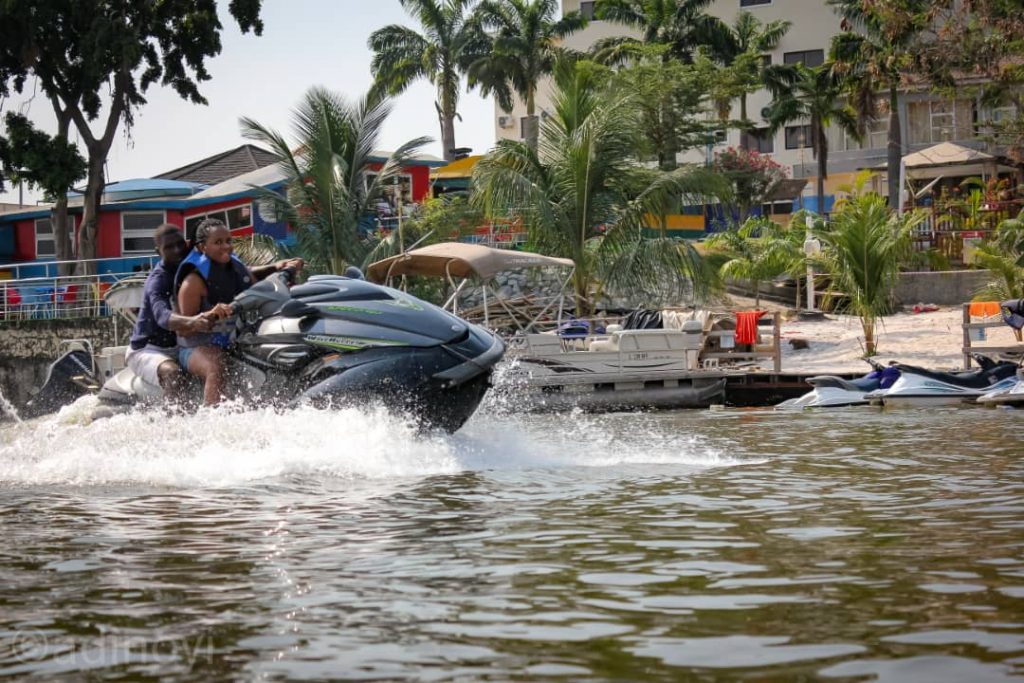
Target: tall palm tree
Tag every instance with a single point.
(583, 196)
(863, 246)
(870, 56)
(814, 95)
(747, 39)
(683, 25)
(526, 37)
(327, 194)
(451, 40)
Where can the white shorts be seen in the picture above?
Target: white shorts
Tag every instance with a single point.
(146, 361)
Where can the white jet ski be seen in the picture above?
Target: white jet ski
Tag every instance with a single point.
(922, 387)
(831, 391)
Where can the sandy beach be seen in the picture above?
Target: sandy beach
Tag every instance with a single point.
(932, 339)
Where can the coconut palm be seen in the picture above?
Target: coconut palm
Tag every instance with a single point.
(450, 41)
(683, 25)
(871, 56)
(863, 247)
(526, 37)
(757, 251)
(812, 96)
(747, 39)
(584, 197)
(327, 197)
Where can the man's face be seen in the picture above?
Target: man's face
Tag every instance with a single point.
(171, 247)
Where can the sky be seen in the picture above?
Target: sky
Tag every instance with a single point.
(304, 43)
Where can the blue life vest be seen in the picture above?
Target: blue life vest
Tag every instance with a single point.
(239, 280)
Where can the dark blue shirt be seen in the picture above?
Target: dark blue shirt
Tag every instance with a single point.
(152, 326)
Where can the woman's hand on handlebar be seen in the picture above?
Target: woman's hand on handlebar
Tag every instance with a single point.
(219, 312)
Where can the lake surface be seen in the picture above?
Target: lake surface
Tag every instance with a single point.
(708, 546)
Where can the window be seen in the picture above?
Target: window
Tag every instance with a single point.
(46, 246)
(758, 140)
(587, 10)
(940, 121)
(137, 231)
(236, 218)
(766, 61)
(809, 58)
(798, 137)
(876, 136)
(754, 3)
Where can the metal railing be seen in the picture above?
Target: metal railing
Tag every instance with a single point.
(50, 297)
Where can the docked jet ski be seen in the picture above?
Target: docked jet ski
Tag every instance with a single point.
(922, 387)
(831, 391)
(338, 340)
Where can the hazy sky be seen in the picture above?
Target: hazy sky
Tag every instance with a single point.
(304, 43)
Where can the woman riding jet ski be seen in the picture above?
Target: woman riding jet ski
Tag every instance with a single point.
(1013, 395)
(341, 340)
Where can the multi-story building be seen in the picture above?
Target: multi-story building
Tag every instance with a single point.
(926, 119)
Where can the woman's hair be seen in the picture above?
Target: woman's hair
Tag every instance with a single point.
(206, 227)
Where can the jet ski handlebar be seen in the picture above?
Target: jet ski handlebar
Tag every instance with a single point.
(273, 287)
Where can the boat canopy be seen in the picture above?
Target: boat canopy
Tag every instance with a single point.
(459, 260)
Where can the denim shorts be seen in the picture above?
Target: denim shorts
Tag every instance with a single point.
(184, 353)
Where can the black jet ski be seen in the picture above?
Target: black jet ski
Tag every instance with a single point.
(338, 340)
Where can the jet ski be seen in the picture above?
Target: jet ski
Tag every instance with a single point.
(338, 340)
(922, 387)
(831, 391)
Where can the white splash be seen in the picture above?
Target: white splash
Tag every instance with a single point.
(223, 448)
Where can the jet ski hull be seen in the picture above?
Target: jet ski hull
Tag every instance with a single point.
(913, 391)
(825, 397)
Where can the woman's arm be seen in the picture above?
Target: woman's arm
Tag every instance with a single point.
(190, 296)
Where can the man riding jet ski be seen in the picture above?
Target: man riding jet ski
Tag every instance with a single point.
(341, 340)
(922, 387)
(1013, 395)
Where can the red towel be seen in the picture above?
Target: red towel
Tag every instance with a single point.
(746, 326)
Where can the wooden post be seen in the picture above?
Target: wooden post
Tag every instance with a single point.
(967, 336)
(777, 341)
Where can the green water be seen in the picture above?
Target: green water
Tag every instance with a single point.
(747, 546)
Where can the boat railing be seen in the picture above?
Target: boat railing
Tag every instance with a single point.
(54, 297)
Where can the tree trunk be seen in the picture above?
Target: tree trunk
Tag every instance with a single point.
(798, 293)
(531, 124)
(869, 337)
(895, 148)
(447, 120)
(59, 214)
(91, 211)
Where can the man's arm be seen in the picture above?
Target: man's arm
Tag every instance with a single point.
(263, 272)
(169, 320)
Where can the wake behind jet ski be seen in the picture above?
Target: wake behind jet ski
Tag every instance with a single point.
(918, 386)
(831, 391)
(340, 340)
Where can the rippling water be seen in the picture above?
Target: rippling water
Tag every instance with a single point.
(746, 546)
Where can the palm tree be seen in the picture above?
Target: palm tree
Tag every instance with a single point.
(863, 247)
(584, 197)
(327, 194)
(683, 25)
(526, 39)
(451, 40)
(1003, 257)
(870, 56)
(757, 251)
(747, 39)
(814, 96)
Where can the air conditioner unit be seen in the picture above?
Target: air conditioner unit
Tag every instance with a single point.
(506, 121)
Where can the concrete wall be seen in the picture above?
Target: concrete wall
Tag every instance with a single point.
(945, 288)
(28, 347)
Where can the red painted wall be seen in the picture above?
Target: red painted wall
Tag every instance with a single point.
(420, 179)
(25, 240)
(108, 234)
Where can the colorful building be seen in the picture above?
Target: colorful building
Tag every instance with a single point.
(221, 186)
